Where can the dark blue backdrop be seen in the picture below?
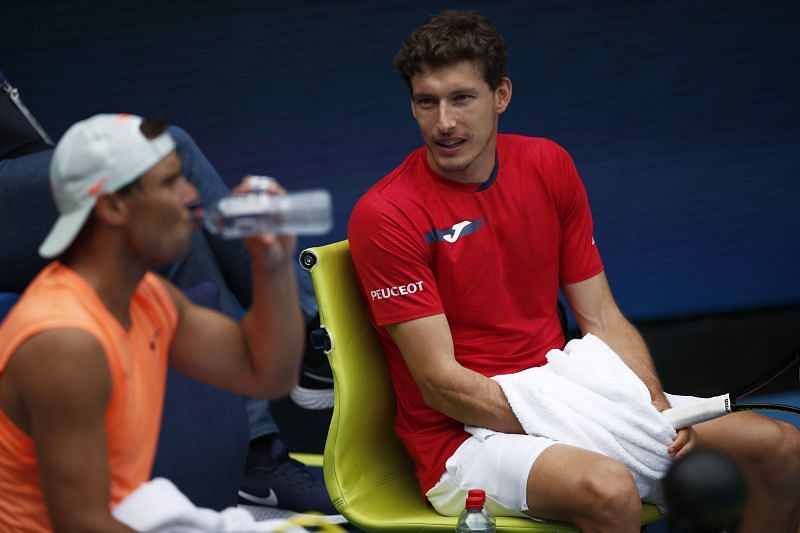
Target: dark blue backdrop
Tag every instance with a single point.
(681, 116)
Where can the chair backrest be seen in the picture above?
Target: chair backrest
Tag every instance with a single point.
(7, 301)
(362, 451)
(369, 475)
(201, 424)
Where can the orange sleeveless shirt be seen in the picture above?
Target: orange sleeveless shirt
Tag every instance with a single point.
(137, 363)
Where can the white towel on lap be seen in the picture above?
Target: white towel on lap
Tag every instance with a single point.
(587, 397)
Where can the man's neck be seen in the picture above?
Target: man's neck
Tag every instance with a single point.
(113, 276)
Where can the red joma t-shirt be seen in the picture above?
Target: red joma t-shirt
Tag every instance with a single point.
(490, 257)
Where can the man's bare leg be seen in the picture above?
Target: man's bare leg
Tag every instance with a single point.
(584, 488)
(768, 452)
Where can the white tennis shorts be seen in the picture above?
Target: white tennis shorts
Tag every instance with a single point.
(498, 464)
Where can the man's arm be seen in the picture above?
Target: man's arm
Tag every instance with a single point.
(597, 313)
(448, 387)
(62, 380)
(259, 357)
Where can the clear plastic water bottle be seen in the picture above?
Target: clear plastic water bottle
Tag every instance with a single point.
(475, 517)
(259, 210)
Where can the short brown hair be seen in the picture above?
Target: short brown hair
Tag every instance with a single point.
(451, 37)
(151, 128)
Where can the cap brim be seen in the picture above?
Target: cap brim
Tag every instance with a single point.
(63, 233)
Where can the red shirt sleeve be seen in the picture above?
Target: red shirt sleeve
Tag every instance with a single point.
(579, 258)
(392, 262)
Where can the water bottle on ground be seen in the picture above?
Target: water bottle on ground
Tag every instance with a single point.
(258, 211)
(475, 517)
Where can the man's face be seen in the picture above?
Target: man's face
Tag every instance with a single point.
(159, 227)
(456, 112)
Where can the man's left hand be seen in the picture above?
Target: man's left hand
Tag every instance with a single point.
(683, 443)
(686, 438)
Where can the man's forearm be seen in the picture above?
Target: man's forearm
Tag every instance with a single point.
(473, 399)
(274, 328)
(628, 343)
(446, 386)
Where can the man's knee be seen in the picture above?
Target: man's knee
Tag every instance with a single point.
(767, 450)
(612, 495)
(781, 454)
(770, 441)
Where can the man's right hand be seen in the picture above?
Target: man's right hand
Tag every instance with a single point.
(268, 250)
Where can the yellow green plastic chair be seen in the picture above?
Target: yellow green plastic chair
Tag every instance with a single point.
(368, 473)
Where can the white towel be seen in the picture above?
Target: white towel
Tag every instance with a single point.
(159, 507)
(587, 397)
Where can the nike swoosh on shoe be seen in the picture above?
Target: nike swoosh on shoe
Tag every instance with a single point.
(318, 377)
(271, 499)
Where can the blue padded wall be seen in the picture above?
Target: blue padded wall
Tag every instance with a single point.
(681, 116)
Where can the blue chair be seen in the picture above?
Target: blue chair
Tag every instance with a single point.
(7, 301)
(205, 433)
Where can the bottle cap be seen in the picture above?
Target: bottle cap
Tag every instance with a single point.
(260, 183)
(477, 492)
(474, 502)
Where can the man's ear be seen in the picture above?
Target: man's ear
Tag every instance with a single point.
(111, 209)
(413, 111)
(502, 95)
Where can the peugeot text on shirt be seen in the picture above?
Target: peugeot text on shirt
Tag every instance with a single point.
(397, 290)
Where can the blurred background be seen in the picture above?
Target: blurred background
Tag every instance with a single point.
(682, 118)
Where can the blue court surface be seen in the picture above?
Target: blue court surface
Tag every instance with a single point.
(785, 397)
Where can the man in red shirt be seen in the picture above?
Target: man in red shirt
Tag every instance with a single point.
(460, 252)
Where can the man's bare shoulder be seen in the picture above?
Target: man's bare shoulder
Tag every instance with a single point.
(179, 299)
(62, 370)
(58, 345)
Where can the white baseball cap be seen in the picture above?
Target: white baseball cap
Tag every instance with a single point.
(100, 154)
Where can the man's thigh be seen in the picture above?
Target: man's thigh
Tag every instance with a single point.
(566, 481)
(746, 436)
